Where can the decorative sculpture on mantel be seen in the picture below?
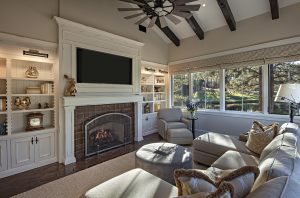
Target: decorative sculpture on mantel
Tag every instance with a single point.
(70, 88)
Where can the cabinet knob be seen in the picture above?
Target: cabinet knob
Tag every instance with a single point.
(36, 140)
(32, 140)
(146, 118)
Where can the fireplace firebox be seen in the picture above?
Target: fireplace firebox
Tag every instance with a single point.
(106, 132)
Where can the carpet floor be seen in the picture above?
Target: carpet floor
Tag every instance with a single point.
(77, 184)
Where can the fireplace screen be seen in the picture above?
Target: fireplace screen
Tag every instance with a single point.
(106, 132)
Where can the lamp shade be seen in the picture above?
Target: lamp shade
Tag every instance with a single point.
(288, 91)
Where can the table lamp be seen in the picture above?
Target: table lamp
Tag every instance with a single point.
(289, 93)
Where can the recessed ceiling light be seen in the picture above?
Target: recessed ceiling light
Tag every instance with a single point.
(203, 5)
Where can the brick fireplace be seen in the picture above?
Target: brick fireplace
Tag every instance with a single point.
(98, 128)
(81, 109)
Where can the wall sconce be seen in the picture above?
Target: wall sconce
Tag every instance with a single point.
(35, 53)
(163, 71)
(149, 69)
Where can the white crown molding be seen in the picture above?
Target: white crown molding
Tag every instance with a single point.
(10, 39)
(239, 50)
(67, 23)
(153, 64)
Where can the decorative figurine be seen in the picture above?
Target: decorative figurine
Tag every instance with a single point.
(22, 103)
(47, 106)
(70, 89)
(39, 105)
(32, 72)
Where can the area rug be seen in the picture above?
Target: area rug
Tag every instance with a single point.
(77, 184)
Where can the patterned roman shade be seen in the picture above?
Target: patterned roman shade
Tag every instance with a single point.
(290, 52)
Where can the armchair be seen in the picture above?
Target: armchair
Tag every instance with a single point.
(171, 118)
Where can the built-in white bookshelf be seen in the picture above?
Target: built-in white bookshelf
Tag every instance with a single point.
(24, 146)
(14, 84)
(154, 89)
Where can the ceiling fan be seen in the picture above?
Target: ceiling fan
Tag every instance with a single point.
(160, 10)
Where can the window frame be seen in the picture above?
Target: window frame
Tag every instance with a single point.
(264, 114)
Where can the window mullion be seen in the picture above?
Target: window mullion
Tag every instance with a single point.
(222, 89)
(265, 87)
(191, 84)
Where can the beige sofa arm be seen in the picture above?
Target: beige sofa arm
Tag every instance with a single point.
(162, 128)
(186, 122)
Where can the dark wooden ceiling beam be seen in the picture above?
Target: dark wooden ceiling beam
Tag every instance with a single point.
(169, 33)
(196, 27)
(225, 8)
(274, 9)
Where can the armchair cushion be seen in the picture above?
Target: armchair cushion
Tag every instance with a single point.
(176, 125)
(170, 115)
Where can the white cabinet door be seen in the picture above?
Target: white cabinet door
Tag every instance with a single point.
(145, 124)
(3, 155)
(22, 151)
(44, 146)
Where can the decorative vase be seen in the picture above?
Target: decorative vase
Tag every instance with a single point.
(193, 114)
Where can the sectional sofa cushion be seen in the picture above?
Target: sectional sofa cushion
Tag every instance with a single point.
(135, 183)
(289, 127)
(278, 163)
(270, 189)
(260, 136)
(217, 144)
(194, 181)
(235, 160)
(285, 139)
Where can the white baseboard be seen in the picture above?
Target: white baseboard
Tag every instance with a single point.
(145, 133)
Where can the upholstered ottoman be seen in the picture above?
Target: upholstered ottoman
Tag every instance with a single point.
(208, 147)
(135, 183)
(161, 159)
(181, 136)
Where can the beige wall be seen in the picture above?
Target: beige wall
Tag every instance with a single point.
(34, 19)
(256, 30)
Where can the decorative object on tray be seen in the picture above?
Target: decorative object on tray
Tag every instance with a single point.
(2, 104)
(34, 121)
(22, 102)
(3, 127)
(70, 89)
(33, 90)
(32, 72)
(192, 107)
(46, 88)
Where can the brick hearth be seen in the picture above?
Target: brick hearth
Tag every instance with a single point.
(86, 113)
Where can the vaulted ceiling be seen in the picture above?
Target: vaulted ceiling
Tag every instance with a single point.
(214, 14)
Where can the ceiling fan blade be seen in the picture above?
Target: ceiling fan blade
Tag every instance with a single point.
(163, 22)
(129, 9)
(152, 22)
(141, 20)
(182, 2)
(174, 19)
(187, 7)
(182, 14)
(134, 15)
(134, 2)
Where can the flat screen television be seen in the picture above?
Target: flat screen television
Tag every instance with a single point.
(102, 68)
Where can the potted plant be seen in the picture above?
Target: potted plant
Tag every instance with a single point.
(192, 107)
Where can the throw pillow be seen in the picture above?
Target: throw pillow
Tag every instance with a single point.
(194, 181)
(260, 136)
(225, 190)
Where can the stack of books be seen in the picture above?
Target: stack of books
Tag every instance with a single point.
(2, 104)
(47, 88)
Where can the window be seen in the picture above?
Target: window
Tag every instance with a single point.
(180, 89)
(206, 89)
(243, 89)
(281, 73)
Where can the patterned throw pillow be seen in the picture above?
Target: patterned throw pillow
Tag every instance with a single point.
(206, 182)
(260, 136)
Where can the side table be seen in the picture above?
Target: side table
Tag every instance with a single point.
(193, 124)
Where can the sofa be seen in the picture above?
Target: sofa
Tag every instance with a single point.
(279, 166)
